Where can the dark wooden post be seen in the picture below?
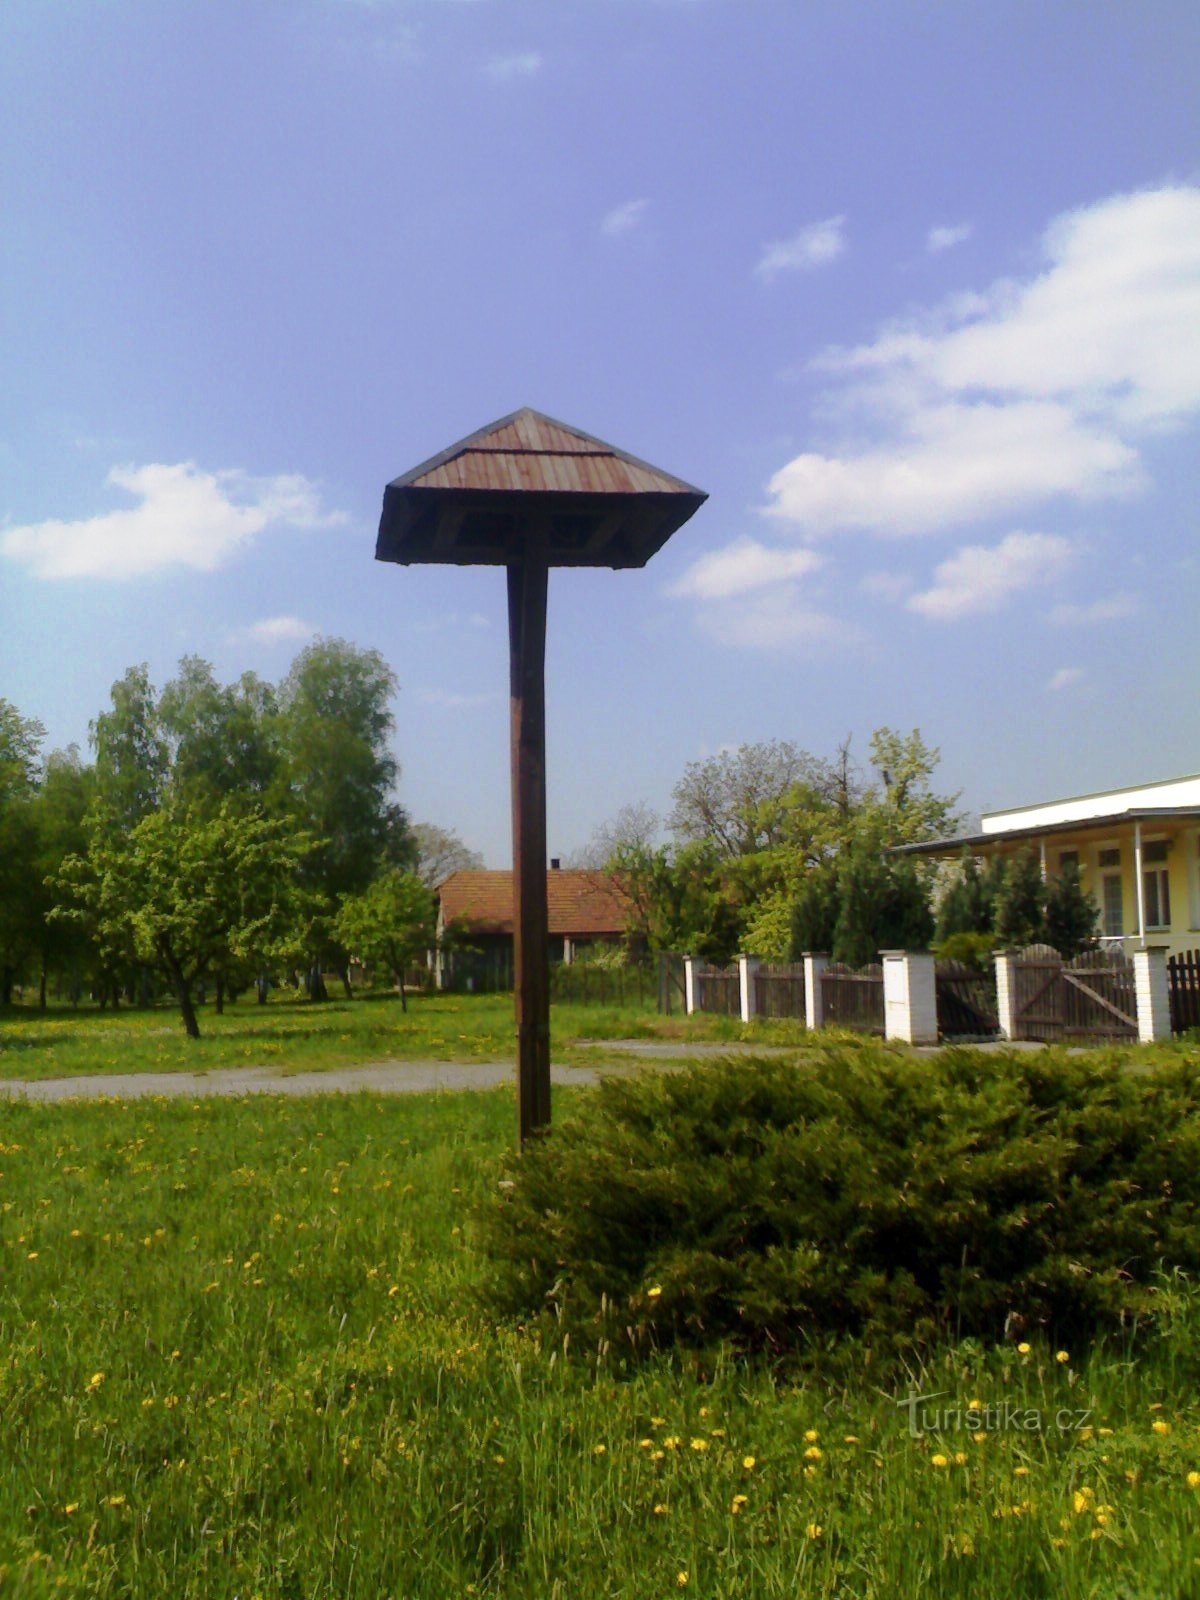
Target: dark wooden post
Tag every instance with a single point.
(529, 493)
(527, 585)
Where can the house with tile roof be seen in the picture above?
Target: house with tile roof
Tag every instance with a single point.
(586, 908)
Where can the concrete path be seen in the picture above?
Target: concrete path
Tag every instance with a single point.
(379, 1077)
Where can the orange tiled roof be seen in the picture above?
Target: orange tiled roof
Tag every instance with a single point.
(580, 902)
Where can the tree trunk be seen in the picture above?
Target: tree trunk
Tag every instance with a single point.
(182, 991)
(6, 987)
(344, 975)
(400, 986)
(262, 984)
(316, 983)
(220, 997)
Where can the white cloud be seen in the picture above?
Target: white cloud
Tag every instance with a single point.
(1065, 678)
(947, 236)
(813, 246)
(506, 69)
(742, 566)
(279, 630)
(1029, 390)
(979, 578)
(184, 517)
(780, 622)
(623, 218)
(1110, 609)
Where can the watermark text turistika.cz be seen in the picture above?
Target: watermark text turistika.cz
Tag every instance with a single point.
(926, 1416)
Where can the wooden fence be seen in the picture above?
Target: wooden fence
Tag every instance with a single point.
(583, 984)
(1183, 980)
(1092, 997)
(672, 986)
(966, 1001)
(851, 999)
(779, 990)
(718, 989)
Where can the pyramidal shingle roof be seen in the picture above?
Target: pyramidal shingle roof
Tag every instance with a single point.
(531, 452)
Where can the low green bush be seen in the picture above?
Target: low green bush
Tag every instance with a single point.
(783, 1204)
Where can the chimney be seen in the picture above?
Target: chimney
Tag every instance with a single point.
(555, 863)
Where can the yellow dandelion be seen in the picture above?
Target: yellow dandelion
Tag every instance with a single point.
(810, 1472)
(938, 1461)
(699, 1444)
(96, 1380)
(960, 1458)
(32, 1256)
(681, 1578)
(851, 1438)
(1062, 1357)
(657, 1455)
(658, 1422)
(738, 1501)
(974, 1405)
(116, 1499)
(813, 1454)
(71, 1509)
(645, 1444)
(1023, 1349)
(671, 1442)
(1159, 1426)
(599, 1449)
(1193, 1480)
(1020, 1472)
(811, 1436)
(660, 1511)
(814, 1530)
(654, 1292)
(748, 1462)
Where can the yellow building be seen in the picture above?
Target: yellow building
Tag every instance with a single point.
(1138, 853)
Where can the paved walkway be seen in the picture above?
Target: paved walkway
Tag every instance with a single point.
(380, 1077)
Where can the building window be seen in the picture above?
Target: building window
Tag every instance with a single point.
(1113, 910)
(1109, 858)
(1157, 887)
(1067, 858)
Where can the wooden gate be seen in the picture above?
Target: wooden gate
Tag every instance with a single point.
(1092, 997)
(1183, 980)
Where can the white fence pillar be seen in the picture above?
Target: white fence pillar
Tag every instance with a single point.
(747, 967)
(1153, 994)
(815, 963)
(909, 997)
(689, 984)
(1006, 1008)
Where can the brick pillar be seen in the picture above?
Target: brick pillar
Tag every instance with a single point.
(747, 967)
(815, 963)
(909, 997)
(1153, 994)
(1006, 1010)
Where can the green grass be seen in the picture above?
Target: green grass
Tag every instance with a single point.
(298, 1036)
(244, 1354)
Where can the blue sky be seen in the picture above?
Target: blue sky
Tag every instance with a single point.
(912, 290)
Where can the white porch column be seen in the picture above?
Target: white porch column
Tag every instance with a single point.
(1139, 884)
(1042, 857)
(1005, 996)
(747, 967)
(815, 963)
(909, 996)
(1153, 994)
(689, 984)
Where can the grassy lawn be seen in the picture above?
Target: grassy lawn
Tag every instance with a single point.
(244, 1354)
(297, 1036)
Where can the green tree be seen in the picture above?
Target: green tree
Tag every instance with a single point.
(20, 773)
(60, 808)
(1021, 903)
(739, 800)
(1072, 917)
(189, 893)
(391, 924)
(437, 852)
(222, 739)
(337, 779)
